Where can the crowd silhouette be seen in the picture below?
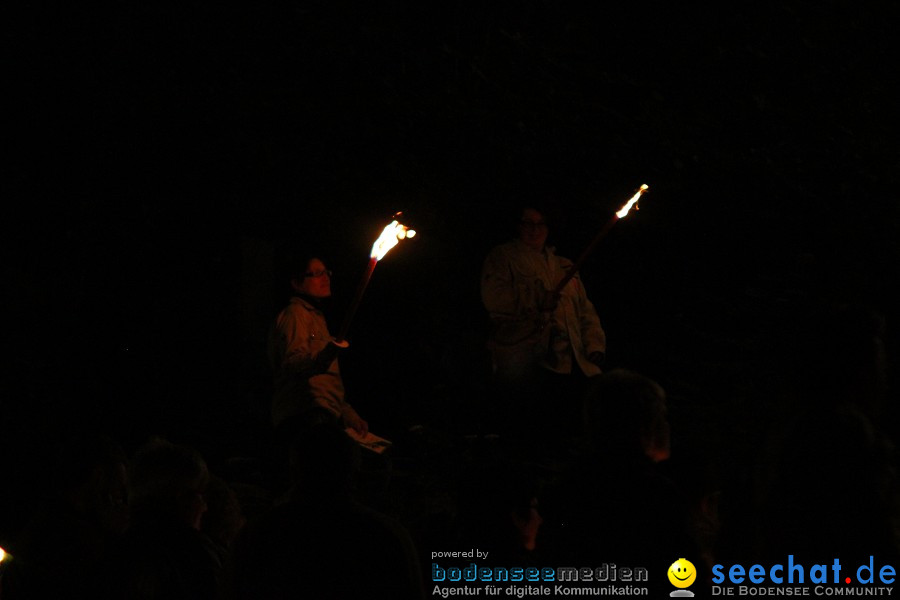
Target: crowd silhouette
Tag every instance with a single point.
(815, 479)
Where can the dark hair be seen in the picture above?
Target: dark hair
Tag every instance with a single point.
(296, 266)
(552, 214)
(533, 206)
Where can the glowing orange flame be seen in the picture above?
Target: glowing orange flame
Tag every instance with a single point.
(637, 196)
(3, 555)
(389, 238)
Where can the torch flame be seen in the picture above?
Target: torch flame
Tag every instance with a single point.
(624, 211)
(389, 238)
(3, 555)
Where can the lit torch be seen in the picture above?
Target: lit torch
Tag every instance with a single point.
(620, 214)
(5, 557)
(390, 237)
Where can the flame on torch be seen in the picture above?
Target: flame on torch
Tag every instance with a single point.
(390, 237)
(4, 556)
(637, 196)
(620, 214)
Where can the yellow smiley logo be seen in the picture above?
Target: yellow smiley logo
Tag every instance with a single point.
(682, 573)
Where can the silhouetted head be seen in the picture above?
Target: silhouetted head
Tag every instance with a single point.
(168, 480)
(625, 413)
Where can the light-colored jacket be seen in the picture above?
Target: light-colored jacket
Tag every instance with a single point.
(514, 281)
(299, 335)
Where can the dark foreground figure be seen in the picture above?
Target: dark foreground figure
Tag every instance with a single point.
(321, 539)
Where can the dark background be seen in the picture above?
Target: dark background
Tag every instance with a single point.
(162, 160)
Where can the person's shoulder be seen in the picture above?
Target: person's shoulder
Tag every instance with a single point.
(299, 307)
(296, 311)
(298, 302)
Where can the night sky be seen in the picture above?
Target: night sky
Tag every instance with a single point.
(162, 160)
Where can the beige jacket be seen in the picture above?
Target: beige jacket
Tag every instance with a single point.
(513, 282)
(299, 334)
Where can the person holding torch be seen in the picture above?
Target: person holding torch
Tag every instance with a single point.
(304, 357)
(545, 341)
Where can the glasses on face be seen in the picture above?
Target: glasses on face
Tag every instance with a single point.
(533, 224)
(317, 274)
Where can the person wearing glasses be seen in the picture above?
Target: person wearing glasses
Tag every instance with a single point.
(303, 355)
(542, 343)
